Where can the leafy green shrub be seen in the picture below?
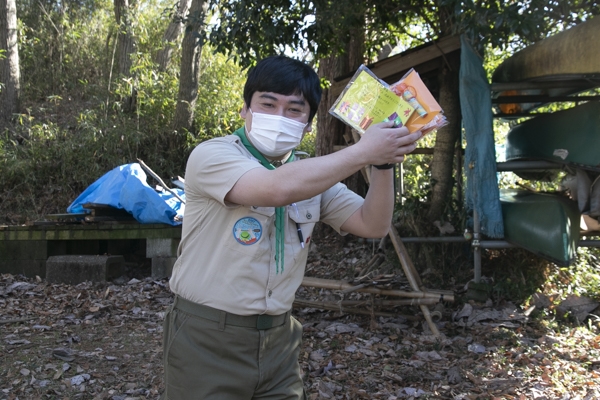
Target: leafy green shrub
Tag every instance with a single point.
(74, 128)
(217, 109)
(308, 142)
(63, 46)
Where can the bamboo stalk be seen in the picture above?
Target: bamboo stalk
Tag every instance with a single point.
(412, 275)
(342, 285)
(353, 288)
(336, 307)
(374, 262)
(409, 268)
(375, 302)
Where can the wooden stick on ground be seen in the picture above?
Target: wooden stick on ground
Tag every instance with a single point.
(353, 303)
(412, 275)
(342, 285)
(354, 288)
(336, 307)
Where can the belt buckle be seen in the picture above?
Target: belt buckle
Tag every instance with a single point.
(264, 322)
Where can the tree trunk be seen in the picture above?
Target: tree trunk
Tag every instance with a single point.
(445, 142)
(9, 61)
(171, 34)
(191, 50)
(125, 44)
(330, 130)
(125, 47)
(446, 138)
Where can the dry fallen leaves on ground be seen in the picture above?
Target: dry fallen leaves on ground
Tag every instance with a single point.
(103, 341)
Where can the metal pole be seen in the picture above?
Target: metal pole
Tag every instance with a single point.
(526, 165)
(484, 244)
(495, 244)
(589, 243)
(435, 239)
(476, 248)
(401, 183)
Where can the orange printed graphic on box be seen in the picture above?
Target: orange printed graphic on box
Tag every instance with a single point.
(429, 114)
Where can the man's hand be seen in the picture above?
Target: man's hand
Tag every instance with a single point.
(383, 144)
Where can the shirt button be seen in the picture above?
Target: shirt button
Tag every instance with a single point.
(308, 215)
(270, 293)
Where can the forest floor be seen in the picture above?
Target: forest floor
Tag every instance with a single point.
(103, 341)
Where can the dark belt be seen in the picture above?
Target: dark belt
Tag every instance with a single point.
(260, 322)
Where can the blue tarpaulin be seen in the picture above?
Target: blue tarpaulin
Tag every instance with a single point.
(481, 194)
(125, 187)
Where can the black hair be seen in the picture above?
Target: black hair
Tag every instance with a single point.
(286, 76)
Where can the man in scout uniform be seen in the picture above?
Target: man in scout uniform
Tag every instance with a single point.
(251, 208)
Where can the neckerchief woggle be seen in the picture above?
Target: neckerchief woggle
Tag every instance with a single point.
(279, 211)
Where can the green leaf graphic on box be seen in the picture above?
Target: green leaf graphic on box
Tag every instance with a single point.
(367, 101)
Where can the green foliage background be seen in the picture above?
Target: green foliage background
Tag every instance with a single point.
(74, 130)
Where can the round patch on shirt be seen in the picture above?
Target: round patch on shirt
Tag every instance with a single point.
(247, 231)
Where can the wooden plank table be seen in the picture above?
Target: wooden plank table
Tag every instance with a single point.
(24, 249)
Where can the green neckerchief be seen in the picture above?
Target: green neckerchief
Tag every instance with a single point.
(279, 211)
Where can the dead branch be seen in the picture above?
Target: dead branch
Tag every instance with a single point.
(159, 180)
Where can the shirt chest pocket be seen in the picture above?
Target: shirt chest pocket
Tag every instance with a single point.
(306, 214)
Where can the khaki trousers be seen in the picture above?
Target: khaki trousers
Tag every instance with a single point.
(213, 355)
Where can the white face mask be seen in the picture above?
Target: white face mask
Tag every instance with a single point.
(274, 135)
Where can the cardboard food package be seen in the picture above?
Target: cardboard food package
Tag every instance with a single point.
(367, 100)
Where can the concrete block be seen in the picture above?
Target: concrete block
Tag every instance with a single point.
(162, 267)
(161, 247)
(74, 269)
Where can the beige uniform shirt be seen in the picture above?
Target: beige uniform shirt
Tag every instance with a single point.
(226, 258)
